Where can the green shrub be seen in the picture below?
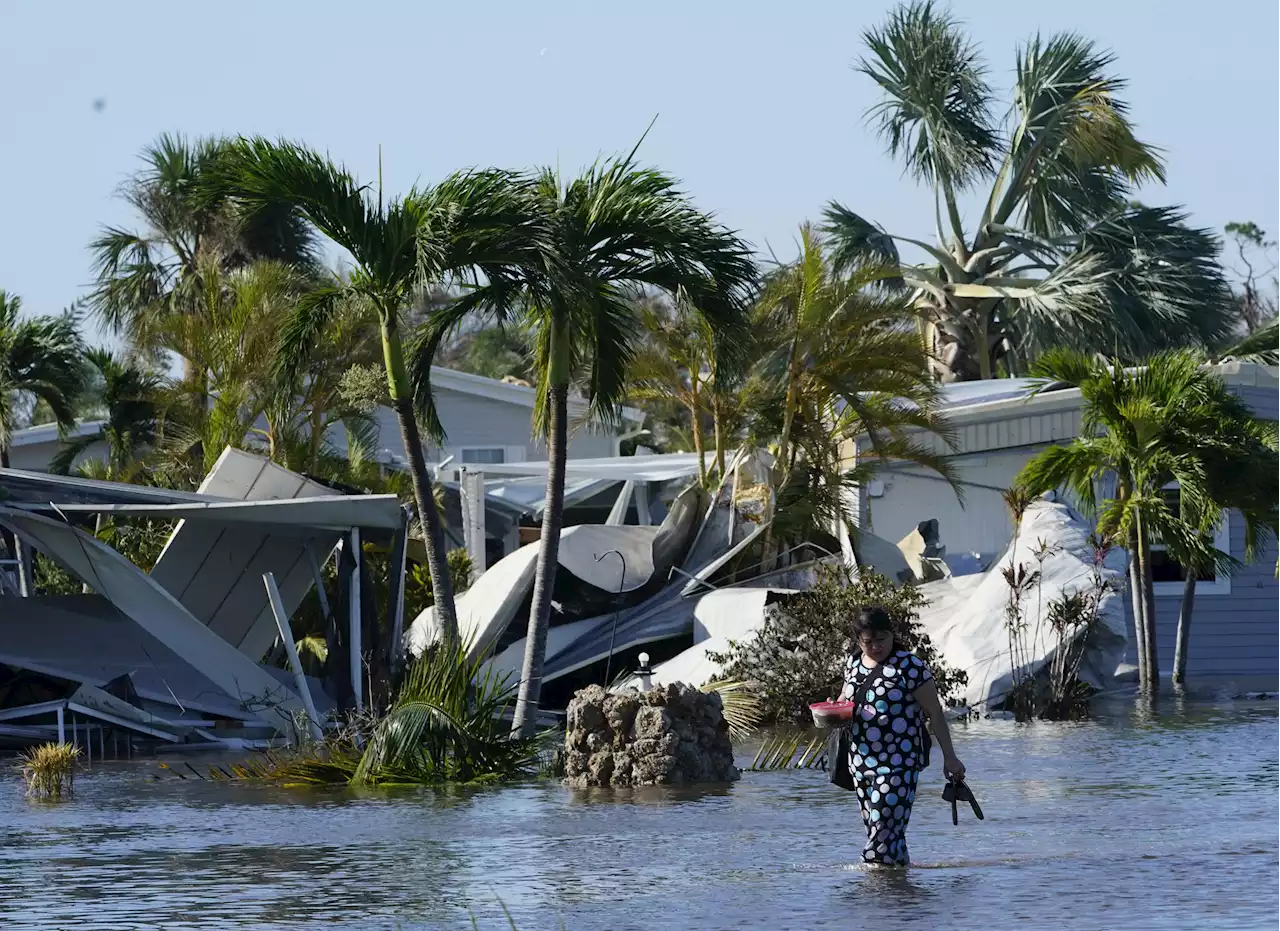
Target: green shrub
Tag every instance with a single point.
(799, 654)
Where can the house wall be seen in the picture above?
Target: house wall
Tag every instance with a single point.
(1235, 635)
(472, 421)
(35, 457)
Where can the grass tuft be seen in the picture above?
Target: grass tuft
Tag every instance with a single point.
(49, 770)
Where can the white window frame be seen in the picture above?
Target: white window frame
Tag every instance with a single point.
(1221, 585)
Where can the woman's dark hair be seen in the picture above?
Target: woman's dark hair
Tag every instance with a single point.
(871, 619)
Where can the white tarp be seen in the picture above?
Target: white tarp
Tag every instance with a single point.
(965, 616)
(594, 553)
(487, 607)
(719, 618)
(159, 613)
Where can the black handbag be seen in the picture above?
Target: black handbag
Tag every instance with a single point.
(839, 744)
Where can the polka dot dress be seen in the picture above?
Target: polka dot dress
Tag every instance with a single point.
(886, 749)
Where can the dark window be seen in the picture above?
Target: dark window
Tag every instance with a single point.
(493, 455)
(1163, 566)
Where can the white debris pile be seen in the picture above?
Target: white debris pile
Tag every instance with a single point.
(966, 618)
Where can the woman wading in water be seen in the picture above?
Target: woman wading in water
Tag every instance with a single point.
(893, 691)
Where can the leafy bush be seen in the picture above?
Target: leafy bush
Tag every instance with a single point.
(446, 725)
(799, 654)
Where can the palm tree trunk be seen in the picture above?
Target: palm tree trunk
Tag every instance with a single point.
(1149, 607)
(768, 549)
(433, 530)
(718, 426)
(985, 369)
(699, 446)
(1139, 612)
(1184, 630)
(535, 644)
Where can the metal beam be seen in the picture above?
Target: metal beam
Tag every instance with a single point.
(353, 634)
(286, 637)
(395, 597)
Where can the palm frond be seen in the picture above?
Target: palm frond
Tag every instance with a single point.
(936, 115)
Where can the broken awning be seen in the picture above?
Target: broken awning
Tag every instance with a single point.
(664, 468)
(339, 512)
(159, 613)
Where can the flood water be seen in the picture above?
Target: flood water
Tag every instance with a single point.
(1125, 822)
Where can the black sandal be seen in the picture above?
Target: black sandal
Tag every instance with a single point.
(956, 791)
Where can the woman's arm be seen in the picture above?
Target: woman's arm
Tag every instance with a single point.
(927, 696)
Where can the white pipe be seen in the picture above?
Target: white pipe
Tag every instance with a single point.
(357, 686)
(62, 727)
(286, 637)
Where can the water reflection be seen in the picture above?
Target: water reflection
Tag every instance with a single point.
(1145, 820)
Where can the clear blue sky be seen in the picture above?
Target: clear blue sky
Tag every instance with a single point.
(760, 114)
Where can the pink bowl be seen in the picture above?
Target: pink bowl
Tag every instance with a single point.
(831, 713)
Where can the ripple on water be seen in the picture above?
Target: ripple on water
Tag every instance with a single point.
(1123, 822)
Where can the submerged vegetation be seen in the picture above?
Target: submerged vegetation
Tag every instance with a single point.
(49, 770)
(446, 725)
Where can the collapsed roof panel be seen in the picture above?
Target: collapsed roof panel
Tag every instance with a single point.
(158, 612)
(21, 487)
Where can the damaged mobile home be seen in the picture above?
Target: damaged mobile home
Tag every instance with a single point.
(175, 655)
(621, 588)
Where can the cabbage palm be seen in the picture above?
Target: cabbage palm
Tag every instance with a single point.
(471, 223)
(1148, 428)
(615, 229)
(146, 277)
(1058, 255)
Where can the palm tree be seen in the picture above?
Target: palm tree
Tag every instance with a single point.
(129, 405)
(841, 361)
(1059, 255)
(473, 223)
(675, 365)
(40, 359)
(146, 277)
(1147, 429)
(614, 230)
(1237, 453)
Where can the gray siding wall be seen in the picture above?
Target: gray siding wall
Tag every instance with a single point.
(1234, 637)
(469, 420)
(35, 457)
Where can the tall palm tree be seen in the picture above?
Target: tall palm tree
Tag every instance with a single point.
(40, 360)
(615, 229)
(147, 276)
(843, 361)
(1145, 428)
(473, 223)
(1059, 256)
(129, 402)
